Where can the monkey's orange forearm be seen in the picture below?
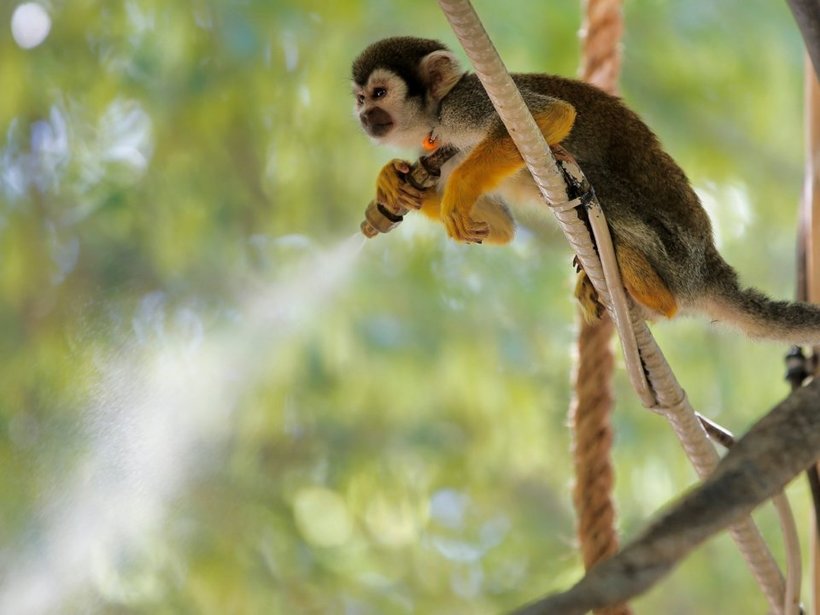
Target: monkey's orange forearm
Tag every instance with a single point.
(496, 157)
(490, 163)
(431, 205)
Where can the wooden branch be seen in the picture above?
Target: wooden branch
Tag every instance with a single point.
(774, 451)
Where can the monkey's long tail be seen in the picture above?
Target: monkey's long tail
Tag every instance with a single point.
(761, 317)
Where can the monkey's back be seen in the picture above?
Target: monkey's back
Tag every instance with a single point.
(645, 195)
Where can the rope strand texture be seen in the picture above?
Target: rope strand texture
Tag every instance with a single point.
(670, 399)
(601, 43)
(590, 416)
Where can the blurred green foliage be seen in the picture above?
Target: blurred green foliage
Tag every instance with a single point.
(396, 443)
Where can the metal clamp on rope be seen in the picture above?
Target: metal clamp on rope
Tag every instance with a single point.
(577, 186)
(581, 201)
(670, 409)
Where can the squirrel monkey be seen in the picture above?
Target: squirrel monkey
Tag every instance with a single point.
(412, 93)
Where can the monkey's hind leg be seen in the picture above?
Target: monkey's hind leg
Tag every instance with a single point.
(643, 282)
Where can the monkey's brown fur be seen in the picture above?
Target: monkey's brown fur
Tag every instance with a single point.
(409, 89)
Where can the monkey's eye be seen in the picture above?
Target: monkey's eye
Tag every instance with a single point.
(360, 98)
(379, 92)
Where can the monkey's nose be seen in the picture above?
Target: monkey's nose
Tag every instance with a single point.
(376, 121)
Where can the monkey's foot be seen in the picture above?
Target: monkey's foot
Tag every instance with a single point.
(587, 297)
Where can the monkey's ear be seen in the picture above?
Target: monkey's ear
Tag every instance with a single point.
(440, 71)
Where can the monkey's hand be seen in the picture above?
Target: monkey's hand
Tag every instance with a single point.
(394, 191)
(456, 206)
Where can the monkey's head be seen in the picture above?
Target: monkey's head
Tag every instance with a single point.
(398, 83)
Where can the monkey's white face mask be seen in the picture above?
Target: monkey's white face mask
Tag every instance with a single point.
(387, 114)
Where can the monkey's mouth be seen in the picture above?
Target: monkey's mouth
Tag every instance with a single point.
(379, 129)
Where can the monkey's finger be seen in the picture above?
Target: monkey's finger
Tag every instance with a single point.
(477, 231)
(460, 229)
(386, 197)
(408, 203)
(411, 191)
(451, 223)
(463, 227)
(471, 227)
(411, 199)
(449, 226)
(402, 166)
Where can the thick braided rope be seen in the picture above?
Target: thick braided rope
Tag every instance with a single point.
(669, 397)
(590, 417)
(593, 402)
(601, 36)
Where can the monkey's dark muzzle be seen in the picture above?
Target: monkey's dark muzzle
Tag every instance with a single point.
(376, 122)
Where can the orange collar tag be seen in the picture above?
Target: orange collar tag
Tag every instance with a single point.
(430, 143)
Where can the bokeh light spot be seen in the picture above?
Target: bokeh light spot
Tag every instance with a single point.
(394, 521)
(30, 25)
(322, 517)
